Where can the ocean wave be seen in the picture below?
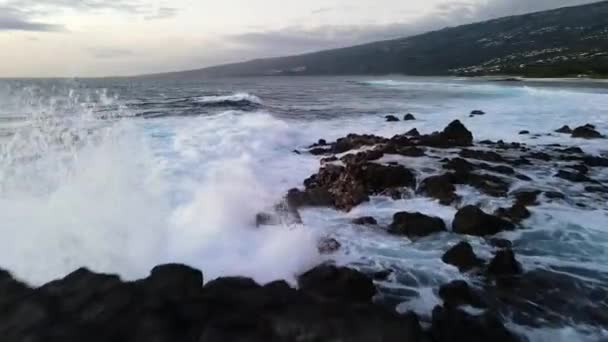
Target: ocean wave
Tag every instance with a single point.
(236, 98)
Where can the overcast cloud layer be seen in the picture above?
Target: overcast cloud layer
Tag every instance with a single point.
(118, 37)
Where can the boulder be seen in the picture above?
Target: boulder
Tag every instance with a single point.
(516, 213)
(478, 112)
(415, 225)
(355, 141)
(586, 132)
(365, 221)
(413, 133)
(317, 197)
(575, 177)
(328, 245)
(450, 324)
(501, 243)
(439, 187)
(391, 118)
(337, 283)
(409, 117)
(504, 264)
(565, 129)
(463, 257)
(454, 135)
(459, 293)
(471, 220)
(177, 279)
(490, 156)
(524, 132)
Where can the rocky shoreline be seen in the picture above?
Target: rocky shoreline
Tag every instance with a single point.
(332, 303)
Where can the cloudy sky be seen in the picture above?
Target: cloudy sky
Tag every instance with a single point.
(124, 37)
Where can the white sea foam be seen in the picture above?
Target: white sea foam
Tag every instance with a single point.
(237, 97)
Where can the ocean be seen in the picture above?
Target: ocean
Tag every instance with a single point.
(120, 175)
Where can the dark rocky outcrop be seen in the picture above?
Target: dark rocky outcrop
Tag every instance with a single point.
(452, 324)
(477, 112)
(454, 135)
(391, 118)
(565, 130)
(504, 264)
(490, 156)
(365, 221)
(576, 177)
(471, 220)
(413, 133)
(586, 132)
(328, 245)
(409, 117)
(463, 257)
(524, 132)
(458, 293)
(338, 283)
(439, 187)
(416, 225)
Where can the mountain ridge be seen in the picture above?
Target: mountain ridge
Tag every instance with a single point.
(567, 41)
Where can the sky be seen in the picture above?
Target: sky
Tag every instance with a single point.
(80, 38)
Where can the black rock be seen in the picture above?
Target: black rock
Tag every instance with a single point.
(471, 220)
(504, 264)
(575, 177)
(458, 293)
(451, 324)
(586, 132)
(413, 132)
(477, 112)
(391, 118)
(416, 224)
(337, 283)
(409, 117)
(328, 246)
(564, 129)
(439, 187)
(501, 243)
(365, 221)
(462, 256)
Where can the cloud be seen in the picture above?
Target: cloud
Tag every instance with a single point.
(162, 13)
(109, 53)
(12, 19)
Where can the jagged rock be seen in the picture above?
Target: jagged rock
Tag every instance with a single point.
(575, 177)
(413, 133)
(565, 129)
(454, 135)
(540, 156)
(459, 165)
(482, 155)
(382, 275)
(504, 264)
(451, 324)
(527, 197)
(355, 141)
(339, 283)
(365, 221)
(328, 246)
(597, 189)
(462, 256)
(501, 243)
(554, 195)
(516, 213)
(362, 157)
(318, 197)
(594, 161)
(439, 187)
(416, 224)
(318, 151)
(391, 118)
(458, 293)
(409, 117)
(266, 219)
(471, 220)
(586, 132)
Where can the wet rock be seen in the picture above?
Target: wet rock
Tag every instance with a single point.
(501, 243)
(362, 157)
(572, 150)
(595, 161)
(524, 132)
(504, 264)
(174, 279)
(329, 160)
(382, 275)
(458, 293)
(478, 112)
(413, 133)
(488, 184)
(355, 141)
(454, 135)
(554, 195)
(416, 225)
(462, 256)
(317, 197)
(565, 129)
(580, 168)
(339, 283)
(365, 221)
(527, 197)
(516, 213)
(586, 132)
(319, 151)
(409, 117)
(597, 189)
(575, 177)
(439, 187)
(540, 156)
(266, 219)
(328, 246)
(410, 151)
(482, 155)
(452, 324)
(391, 118)
(459, 165)
(471, 220)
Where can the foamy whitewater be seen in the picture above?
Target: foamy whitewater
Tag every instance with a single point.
(120, 176)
